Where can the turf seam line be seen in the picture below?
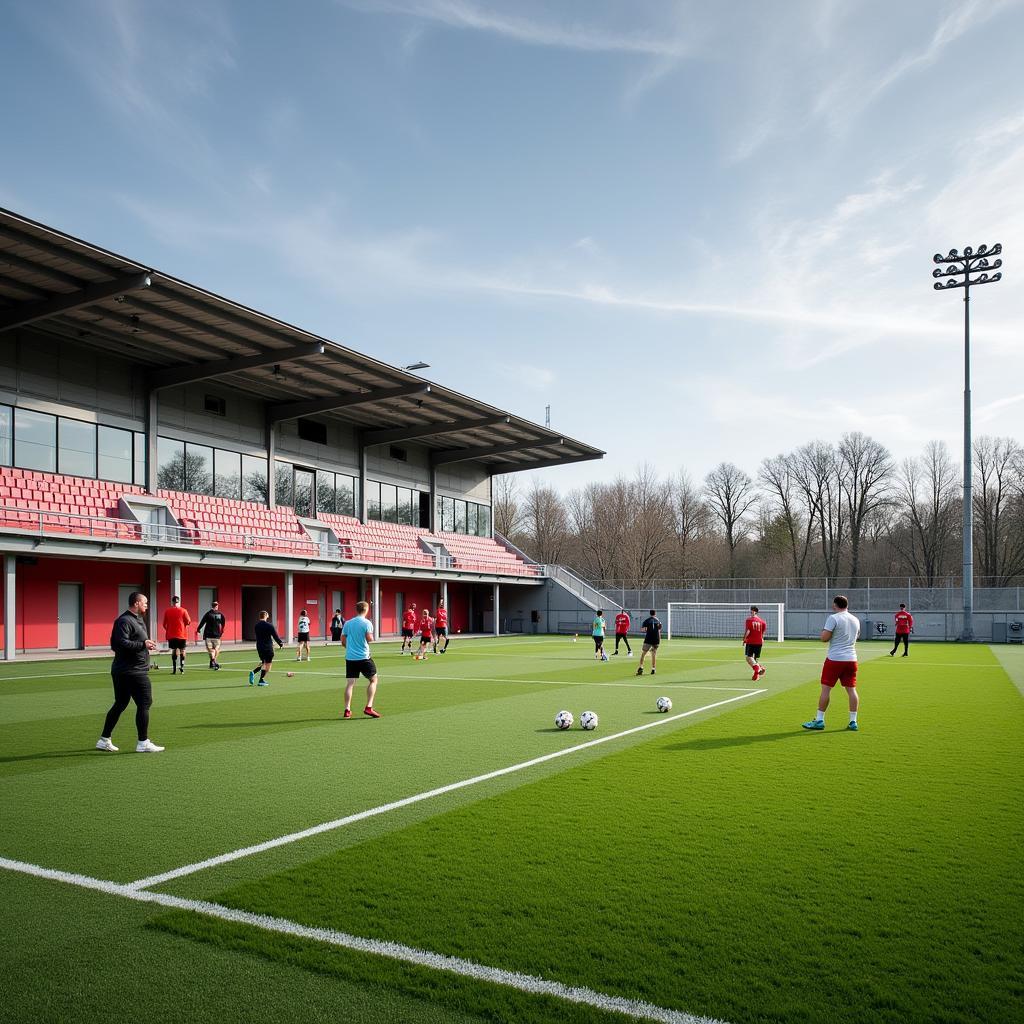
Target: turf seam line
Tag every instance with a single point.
(330, 826)
(635, 1008)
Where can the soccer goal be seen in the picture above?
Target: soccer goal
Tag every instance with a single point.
(703, 619)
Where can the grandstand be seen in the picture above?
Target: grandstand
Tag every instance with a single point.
(154, 435)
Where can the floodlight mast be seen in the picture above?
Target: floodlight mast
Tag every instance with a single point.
(962, 270)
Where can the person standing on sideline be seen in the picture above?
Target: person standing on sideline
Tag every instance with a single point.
(441, 627)
(622, 631)
(426, 628)
(904, 627)
(753, 639)
(408, 626)
(840, 633)
(597, 631)
(176, 623)
(336, 623)
(356, 637)
(303, 636)
(129, 640)
(211, 629)
(266, 637)
(652, 638)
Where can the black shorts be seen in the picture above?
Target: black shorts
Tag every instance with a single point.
(407, 633)
(441, 631)
(303, 638)
(425, 638)
(177, 645)
(355, 669)
(753, 650)
(336, 635)
(598, 642)
(265, 656)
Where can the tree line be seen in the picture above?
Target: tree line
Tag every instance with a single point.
(845, 510)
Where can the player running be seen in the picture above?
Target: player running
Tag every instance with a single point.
(356, 637)
(211, 629)
(266, 637)
(753, 638)
(840, 633)
(426, 628)
(652, 638)
(176, 623)
(441, 627)
(904, 627)
(408, 627)
(622, 631)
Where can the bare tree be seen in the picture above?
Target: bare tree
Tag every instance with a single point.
(730, 495)
(544, 523)
(865, 467)
(647, 537)
(819, 475)
(999, 526)
(786, 499)
(689, 519)
(508, 516)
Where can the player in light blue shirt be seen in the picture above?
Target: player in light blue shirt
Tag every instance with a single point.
(356, 637)
(840, 633)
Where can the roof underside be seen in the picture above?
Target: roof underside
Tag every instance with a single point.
(178, 332)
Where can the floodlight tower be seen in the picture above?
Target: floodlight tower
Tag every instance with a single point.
(962, 270)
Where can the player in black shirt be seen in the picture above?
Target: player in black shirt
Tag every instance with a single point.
(266, 637)
(211, 629)
(652, 638)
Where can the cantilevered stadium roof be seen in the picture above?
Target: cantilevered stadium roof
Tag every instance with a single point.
(181, 334)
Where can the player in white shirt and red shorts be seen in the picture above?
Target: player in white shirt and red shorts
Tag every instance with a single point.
(840, 633)
(753, 639)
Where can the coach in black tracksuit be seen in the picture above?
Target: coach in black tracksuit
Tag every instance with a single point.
(129, 640)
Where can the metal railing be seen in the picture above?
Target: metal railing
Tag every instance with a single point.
(117, 530)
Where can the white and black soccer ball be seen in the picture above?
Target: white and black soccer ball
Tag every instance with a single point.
(664, 704)
(588, 721)
(564, 720)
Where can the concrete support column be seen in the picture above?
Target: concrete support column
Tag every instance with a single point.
(176, 581)
(289, 607)
(152, 416)
(270, 441)
(361, 504)
(433, 499)
(375, 606)
(10, 592)
(444, 597)
(497, 609)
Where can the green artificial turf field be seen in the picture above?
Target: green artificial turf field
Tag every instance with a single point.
(723, 864)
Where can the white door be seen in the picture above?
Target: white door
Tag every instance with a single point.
(69, 616)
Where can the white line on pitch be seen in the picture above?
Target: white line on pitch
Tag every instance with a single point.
(529, 983)
(330, 826)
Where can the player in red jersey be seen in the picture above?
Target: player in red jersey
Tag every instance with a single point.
(904, 627)
(176, 623)
(426, 628)
(622, 631)
(408, 628)
(441, 627)
(753, 638)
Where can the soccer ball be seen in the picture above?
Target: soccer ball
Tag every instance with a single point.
(563, 720)
(588, 721)
(664, 704)
(289, 674)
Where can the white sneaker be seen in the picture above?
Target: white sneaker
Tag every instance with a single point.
(147, 747)
(105, 743)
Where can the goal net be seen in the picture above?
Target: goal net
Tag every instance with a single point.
(701, 619)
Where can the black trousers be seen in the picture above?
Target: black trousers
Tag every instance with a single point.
(128, 688)
(905, 637)
(625, 640)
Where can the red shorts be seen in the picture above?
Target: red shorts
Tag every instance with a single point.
(844, 672)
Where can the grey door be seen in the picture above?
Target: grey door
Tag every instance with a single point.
(124, 591)
(69, 616)
(207, 595)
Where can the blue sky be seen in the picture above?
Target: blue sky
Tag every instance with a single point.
(700, 232)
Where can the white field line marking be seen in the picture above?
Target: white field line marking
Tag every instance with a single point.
(552, 682)
(529, 983)
(330, 826)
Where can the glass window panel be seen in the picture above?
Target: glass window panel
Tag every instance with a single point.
(76, 447)
(283, 473)
(254, 479)
(372, 499)
(345, 495)
(6, 434)
(227, 474)
(448, 514)
(389, 503)
(170, 460)
(140, 458)
(35, 440)
(303, 492)
(405, 506)
(198, 469)
(114, 450)
(471, 508)
(324, 491)
(460, 517)
(483, 521)
(424, 500)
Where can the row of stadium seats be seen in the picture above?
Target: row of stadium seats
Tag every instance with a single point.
(30, 499)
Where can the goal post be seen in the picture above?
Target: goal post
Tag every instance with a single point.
(723, 621)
